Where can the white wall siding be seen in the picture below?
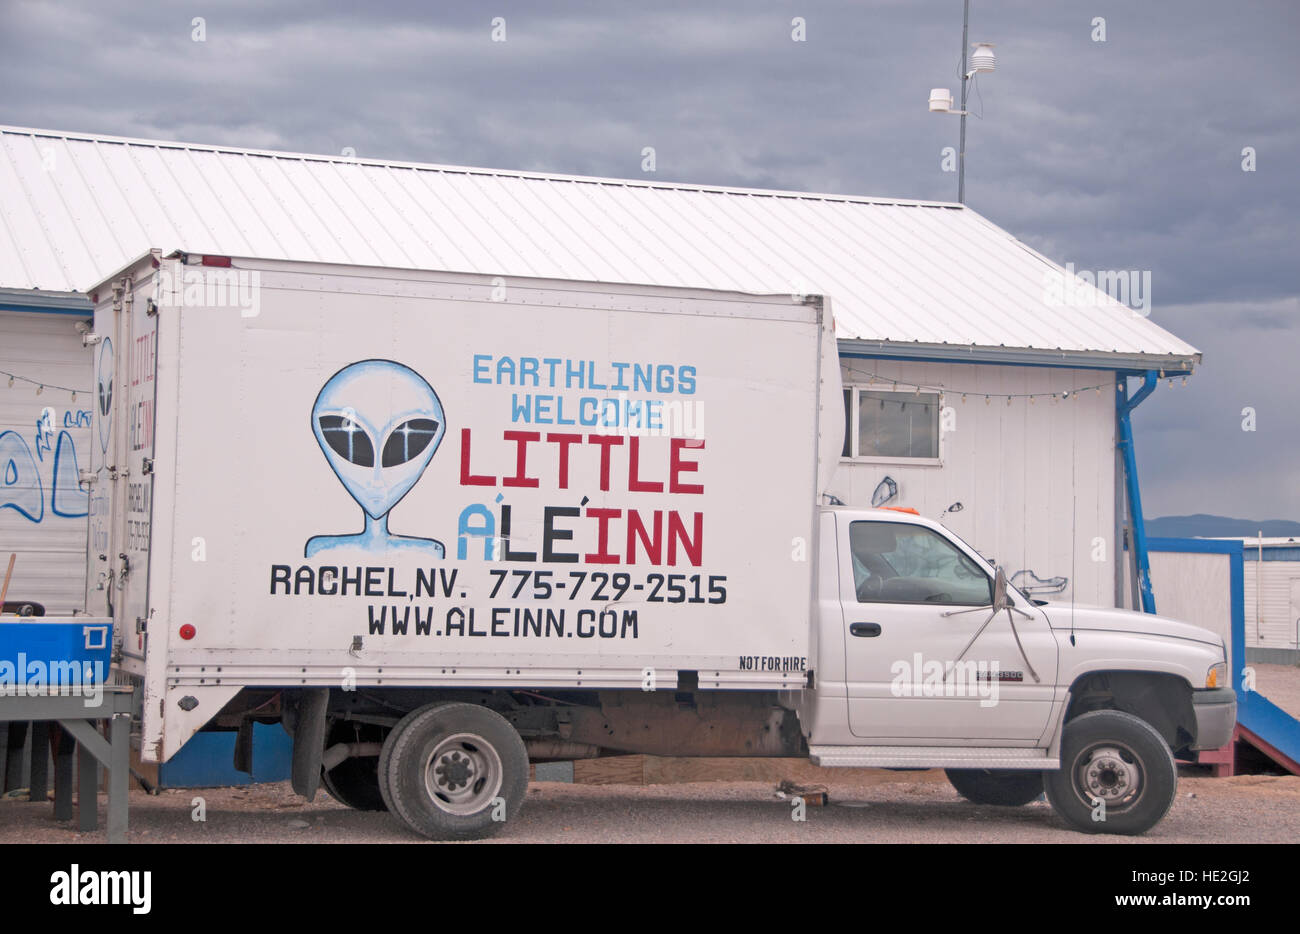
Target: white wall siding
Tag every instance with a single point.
(42, 518)
(1271, 620)
(1036, 479)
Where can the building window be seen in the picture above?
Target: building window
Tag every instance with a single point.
(893, 425)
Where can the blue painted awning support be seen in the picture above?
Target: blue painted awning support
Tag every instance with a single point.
(1124, 407)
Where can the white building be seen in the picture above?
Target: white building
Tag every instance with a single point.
(1271, 592)
(977, 371)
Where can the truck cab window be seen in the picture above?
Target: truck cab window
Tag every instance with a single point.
(894, 562)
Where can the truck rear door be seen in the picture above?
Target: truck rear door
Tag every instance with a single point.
(122, 460)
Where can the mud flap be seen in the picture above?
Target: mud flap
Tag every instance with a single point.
(309, 741)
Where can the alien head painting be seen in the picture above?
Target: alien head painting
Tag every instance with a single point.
(104, 392)
(378, 423)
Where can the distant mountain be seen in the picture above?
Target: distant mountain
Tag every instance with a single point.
(1203, 526)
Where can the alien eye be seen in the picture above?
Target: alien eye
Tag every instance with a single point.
(348, 440)
(408, 440)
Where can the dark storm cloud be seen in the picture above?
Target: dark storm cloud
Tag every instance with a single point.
(1117, 155)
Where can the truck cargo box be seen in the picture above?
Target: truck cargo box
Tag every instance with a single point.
(312, 474)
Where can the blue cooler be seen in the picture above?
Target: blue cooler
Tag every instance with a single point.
(41, 652)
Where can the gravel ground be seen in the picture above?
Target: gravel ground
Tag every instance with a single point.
(867, 806)
(1280, 684)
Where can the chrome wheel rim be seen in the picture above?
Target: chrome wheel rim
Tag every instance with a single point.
(463, 774)
(1109, 772)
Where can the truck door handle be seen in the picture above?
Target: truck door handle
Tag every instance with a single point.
(864, 629)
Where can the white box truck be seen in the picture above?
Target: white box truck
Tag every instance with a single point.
(441, 524)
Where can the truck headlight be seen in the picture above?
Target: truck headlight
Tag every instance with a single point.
(1217, 675)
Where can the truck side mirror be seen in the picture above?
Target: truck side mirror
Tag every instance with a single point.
(1000, 599)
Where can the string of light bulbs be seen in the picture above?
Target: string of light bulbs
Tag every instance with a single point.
(872, 379)
(40, 386)
(895, 384)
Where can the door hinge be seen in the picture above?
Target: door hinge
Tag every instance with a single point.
(151, 308)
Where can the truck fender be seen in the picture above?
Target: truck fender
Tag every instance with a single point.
(1058, 727)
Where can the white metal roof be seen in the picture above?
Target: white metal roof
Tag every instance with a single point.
(75, 207)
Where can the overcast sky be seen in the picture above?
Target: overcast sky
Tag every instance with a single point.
(1116, 154)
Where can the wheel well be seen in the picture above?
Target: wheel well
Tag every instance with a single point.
(1162, 700)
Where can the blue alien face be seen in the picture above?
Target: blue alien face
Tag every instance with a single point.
(378, 423)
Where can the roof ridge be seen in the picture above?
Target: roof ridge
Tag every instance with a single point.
(474, 170)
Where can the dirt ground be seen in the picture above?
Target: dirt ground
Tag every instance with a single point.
(865, 806)
(1280, 684)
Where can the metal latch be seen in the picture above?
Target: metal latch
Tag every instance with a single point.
(141, 625)
(86, 477)
(146, 466)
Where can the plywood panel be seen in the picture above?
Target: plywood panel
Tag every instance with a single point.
(1194, 588)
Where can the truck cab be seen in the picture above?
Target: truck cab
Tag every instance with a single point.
(927, 657)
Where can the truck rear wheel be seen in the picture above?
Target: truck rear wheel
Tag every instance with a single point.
(1002, 787)
(1117, 774)
(385, 752)
(456, 771)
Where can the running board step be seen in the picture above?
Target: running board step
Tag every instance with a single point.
(930, 757)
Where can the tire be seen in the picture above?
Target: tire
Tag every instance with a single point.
(455, 771)
(386, 753)
(1117, 758)
(1002, 787)
(354, 782)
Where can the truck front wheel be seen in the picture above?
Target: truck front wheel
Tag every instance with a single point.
(1117, 774)
(455, 771)
(1002, 787)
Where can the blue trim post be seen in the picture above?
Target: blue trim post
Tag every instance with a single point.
(1237, 589)
(1124, 408)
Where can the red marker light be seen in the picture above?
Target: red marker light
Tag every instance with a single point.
(187, 631)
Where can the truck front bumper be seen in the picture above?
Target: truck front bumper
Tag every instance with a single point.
(1216, 714)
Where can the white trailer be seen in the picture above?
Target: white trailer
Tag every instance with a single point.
(440, 523)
